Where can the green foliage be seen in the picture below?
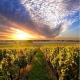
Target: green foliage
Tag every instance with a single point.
(22, 62)
(65, 60)
(12, 60)
(3, 78)
(1, 55)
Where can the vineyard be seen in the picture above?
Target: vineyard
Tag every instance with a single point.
(64, 61)
(45, 62)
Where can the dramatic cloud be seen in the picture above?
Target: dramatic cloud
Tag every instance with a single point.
(46, 18)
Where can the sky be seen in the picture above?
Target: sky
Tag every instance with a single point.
(39, 19)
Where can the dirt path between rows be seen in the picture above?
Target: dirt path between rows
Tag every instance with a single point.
(28, 68)
(50, 71)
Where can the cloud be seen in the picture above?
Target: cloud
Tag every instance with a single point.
(47, 18)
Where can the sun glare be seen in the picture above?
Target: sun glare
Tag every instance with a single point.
(21, 35)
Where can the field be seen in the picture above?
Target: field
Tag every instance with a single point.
(35, 61)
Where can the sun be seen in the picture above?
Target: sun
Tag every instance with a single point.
(21, 35)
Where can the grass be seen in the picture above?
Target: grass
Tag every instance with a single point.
(20, 46)
(39, 71)
(17, 46)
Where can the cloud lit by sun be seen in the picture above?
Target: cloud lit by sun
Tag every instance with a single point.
(39, 19)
